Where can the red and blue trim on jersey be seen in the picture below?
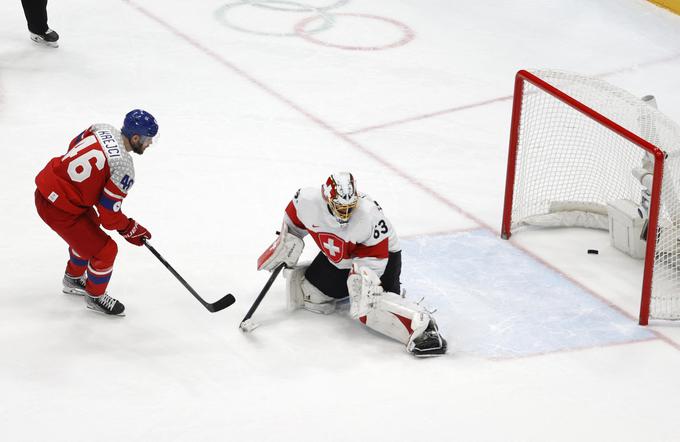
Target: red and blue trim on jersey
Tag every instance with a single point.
(109, 204)
(111, 195)
(78, 138)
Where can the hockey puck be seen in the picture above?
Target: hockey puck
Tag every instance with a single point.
(593, 251)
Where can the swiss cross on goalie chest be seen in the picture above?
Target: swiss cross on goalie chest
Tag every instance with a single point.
(334, 247)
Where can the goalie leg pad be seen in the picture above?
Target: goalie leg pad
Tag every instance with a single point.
(303, 294)
(406, 322)
(294, 277)
(396, 317)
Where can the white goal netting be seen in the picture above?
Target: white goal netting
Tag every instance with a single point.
(570, 165)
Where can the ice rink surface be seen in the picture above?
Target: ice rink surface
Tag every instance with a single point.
(258, 98)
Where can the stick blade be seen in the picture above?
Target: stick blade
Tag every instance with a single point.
(222, 303)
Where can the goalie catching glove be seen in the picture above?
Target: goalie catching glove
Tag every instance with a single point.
(285, 250)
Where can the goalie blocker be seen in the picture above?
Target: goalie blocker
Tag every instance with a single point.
(285, 250)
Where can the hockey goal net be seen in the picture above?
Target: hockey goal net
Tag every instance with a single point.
(574, 142)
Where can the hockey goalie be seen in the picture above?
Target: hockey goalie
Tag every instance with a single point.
(359, 258)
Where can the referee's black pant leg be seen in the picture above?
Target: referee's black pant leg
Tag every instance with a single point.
(36, 15)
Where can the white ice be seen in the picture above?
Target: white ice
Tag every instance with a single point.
(250, 113)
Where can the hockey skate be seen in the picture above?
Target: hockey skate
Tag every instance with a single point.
(49, 38)
(427, 343)
(73, 285)
(105, 304)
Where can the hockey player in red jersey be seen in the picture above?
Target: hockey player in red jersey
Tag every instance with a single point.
(97, 172)
(360, 258)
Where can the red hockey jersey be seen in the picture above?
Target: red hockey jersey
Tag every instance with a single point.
(96, 171)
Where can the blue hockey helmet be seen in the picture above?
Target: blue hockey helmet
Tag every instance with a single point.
(139, 122)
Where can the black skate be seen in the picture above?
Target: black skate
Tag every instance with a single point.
(105, 304)
(73, 285)
(49, 38)
(428, 343)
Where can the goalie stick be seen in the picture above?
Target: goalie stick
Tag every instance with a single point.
(212, 307)
(246, 324)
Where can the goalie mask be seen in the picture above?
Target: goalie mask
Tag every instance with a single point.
(340, 194)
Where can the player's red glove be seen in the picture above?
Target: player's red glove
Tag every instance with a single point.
(135, 233)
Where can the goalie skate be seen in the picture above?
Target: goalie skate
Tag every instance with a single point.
(428, 343)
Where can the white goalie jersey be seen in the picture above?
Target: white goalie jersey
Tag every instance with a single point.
(367, 238)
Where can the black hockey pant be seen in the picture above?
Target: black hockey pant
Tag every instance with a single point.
(332, 281)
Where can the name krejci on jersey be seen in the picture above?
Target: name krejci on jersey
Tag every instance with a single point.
(109, 143)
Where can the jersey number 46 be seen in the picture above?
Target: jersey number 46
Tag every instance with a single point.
(80, 159)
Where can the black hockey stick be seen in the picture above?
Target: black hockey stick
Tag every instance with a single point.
(213, 307)
(246, 324)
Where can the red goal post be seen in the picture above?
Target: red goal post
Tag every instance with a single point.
(573, 143)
